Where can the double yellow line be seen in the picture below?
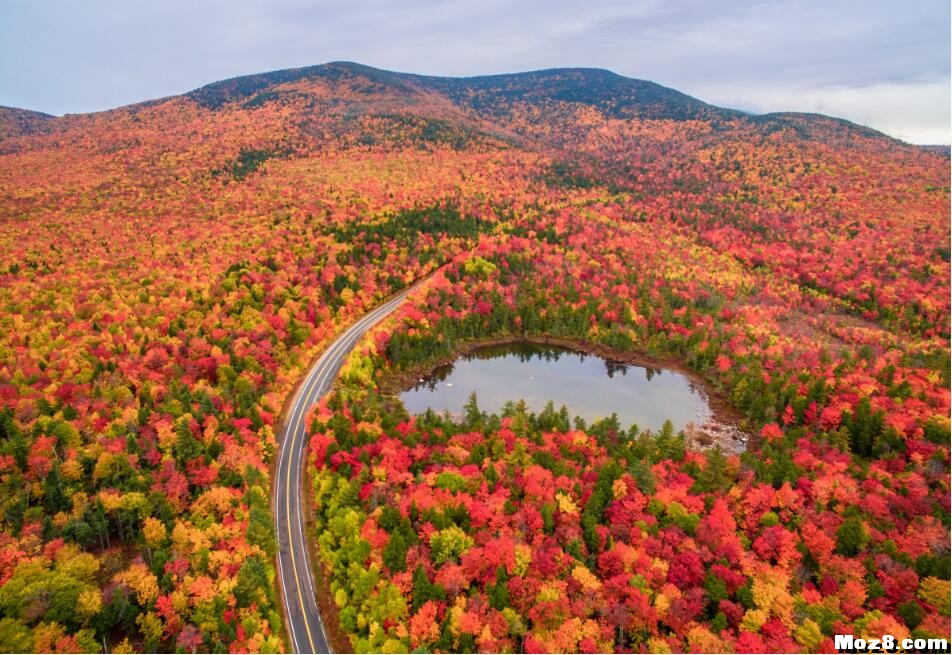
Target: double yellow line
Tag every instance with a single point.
(315, 381)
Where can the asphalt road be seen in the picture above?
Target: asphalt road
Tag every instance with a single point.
(305, 627)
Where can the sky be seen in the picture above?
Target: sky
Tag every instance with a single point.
(880, 63)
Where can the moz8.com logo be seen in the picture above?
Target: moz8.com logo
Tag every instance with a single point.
(889, 644)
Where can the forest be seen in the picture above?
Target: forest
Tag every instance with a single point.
(526, 532)
(169, 270)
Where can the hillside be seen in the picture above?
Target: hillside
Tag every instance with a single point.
(613, 94)
(169, 269)
(460, 103)
(20, 122)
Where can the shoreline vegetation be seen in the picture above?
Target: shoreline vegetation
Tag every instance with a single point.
(723, 428)
(720, 430)
(414, 487)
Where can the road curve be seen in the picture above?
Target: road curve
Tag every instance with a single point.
(305, 627)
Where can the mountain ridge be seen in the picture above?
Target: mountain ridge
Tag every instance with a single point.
(15, 121)
(486, 97)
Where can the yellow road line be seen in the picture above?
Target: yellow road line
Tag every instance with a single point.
(321, 371)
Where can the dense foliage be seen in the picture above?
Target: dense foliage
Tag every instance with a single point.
(167, 270)
(532, 533)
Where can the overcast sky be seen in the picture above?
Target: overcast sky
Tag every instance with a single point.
(882, 63)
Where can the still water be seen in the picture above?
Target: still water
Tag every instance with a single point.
(589, 386)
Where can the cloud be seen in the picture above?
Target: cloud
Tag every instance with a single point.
(913, 112)
(854, 58)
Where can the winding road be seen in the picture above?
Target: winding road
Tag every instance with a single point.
(305, 627)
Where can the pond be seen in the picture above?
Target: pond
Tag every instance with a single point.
(589, 386)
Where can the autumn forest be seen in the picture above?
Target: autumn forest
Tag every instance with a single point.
(169, 271)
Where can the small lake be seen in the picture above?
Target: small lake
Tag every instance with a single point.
(589, 386)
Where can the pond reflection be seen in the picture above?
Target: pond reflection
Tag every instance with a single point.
(589, 386)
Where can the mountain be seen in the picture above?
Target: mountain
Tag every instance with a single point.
(616, 96)
(610, 93)
(597, 128)
(506, 107)
(20, 122)
(554, 94)
(819, 126)
(944, 150)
